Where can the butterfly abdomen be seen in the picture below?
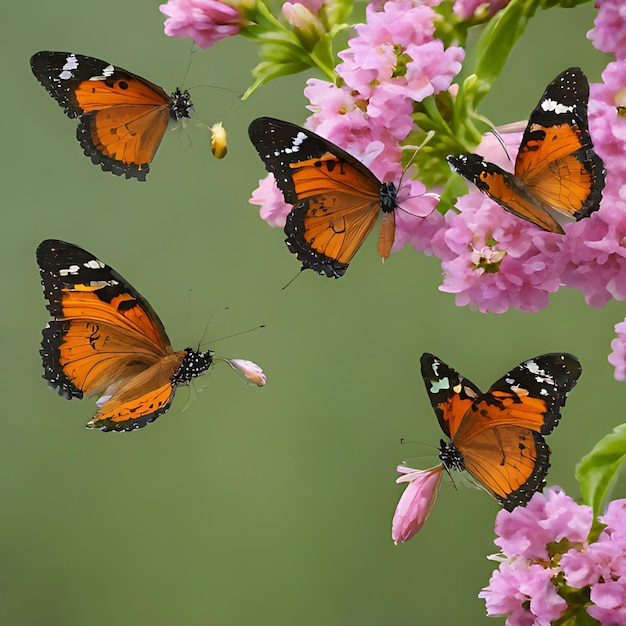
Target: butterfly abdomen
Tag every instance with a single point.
(193, 364)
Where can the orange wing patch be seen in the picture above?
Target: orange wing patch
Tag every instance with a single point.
(509, 462)
(123, 117)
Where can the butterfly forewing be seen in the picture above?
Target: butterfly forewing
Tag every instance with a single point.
(336, 198)
(450, 394)
(540, 382)
(123, 117)
(556, 160)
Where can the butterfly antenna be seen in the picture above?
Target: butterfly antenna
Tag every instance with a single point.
(494, 131)
(206, 329)
(241, 332)
(191, 53)
(294, 278)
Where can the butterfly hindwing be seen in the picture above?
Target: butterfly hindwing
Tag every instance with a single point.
(556, 168)
(336, 199)
(497, 436)
(105, 339)
(122, 116)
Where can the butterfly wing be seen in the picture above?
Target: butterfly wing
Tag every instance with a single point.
(505, 189)
(104, 338)
(500, 438)
(336, 198)
(123, 117)
(556, 167)
(556, 160)
(450, 394)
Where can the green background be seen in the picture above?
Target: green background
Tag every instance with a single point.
(265, 506)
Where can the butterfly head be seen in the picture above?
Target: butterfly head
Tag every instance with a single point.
(181, 104)
(194, 363)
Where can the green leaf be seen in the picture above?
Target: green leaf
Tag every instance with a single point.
(597, 471)
(498, 39)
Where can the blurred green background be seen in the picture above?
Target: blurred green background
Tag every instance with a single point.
(265, 506)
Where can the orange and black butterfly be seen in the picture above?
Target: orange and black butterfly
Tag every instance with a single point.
(122, 116)
(498, 436)
(556, 168)
(336, 199)
(105, 339)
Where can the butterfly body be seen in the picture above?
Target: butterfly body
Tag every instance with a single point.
(498, 436)
(336, 199)
(106, 340)
(122, 116)
(556, 169)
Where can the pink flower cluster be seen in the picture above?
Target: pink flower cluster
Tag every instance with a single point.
(205, 21)
(545, 547)
(609, 34)
(393, 62)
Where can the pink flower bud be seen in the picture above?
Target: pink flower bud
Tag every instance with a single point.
(416, 502)
(248, 370)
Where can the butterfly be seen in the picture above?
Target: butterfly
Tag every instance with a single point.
(498, 436)
(336, 199)
(556, 167)
(122, 116)
(105, 339)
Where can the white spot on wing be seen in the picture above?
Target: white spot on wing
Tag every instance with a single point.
(71, 270)
(296, 143)
(71, 63)
(94, 264)
(556, 107)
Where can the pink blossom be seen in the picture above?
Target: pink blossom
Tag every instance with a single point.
(609, 605)
(615, 519)
(274, 209)
(606, 125)
(617, 358)
(205, 21)
(596, 253)
(466, 9)
(421, 232)
(609, 33)
(494, 260)
(525, 592)
(548, 517)
(416, 502)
